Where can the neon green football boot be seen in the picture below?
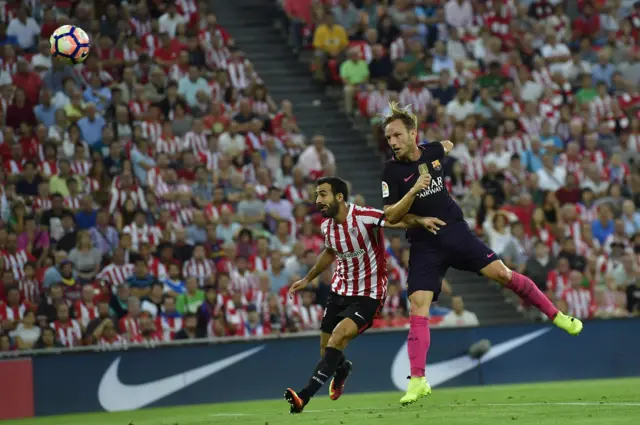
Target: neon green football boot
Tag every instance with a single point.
(570, 324)
(418, 388)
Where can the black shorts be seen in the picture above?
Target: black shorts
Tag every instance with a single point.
(362, 310)
(458, 247)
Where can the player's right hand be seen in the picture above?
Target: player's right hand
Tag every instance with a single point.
(432, 224)
(298, 285)
(423, 183)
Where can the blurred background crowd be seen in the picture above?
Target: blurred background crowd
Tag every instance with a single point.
(158, 192)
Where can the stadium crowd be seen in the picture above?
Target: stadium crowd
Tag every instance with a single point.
(157, 192)
(541, 99)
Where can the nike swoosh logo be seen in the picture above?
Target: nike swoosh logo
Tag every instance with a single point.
(358, 314)
(441, 372)
(409, 178)
(115, 396)
(490, 255)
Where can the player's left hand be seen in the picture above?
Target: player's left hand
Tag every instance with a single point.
(298, 285)
(432, 224)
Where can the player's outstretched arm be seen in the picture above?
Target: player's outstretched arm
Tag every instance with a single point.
(431, 224)
(395, 212)
(324, 260)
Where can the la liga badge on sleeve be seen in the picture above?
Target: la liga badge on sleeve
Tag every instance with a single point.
(385, 189)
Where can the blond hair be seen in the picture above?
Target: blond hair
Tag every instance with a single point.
(405, 115)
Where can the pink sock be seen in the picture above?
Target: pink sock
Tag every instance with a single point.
(528, 291)
(418, 343)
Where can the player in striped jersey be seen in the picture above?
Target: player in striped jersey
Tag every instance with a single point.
(355, 241)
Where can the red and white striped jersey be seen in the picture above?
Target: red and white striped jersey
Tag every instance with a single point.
(150, 43)
(151, 130)
(171, 146)
(377, 102)
(73, 202)
(243, 283)
(40, 204)
(366, 53)
(84, 313)
(13, 313)
(48, 168)
(218, 58)
(237, 76)
(601, 107)
(115, 275)
(605, 265)
(130, 54)
(13, 167)
(580, 302)
(587, 214)
(16, 261)
(259, 264)
(260, 107)
(542, 77)
(358, 243)
(517, 143)
(168, 326)
(474, 168)
(81, 167)
(531, 125)
(419, 98)
(596, 156)
(200, 269)
(570, 163)
(308, 318)
(557, 283)
(145, 234)
(116, 341)
(196, 142)
(295, 195)
(129, 325)
(68, 334)
(391, 305)
(140, 27)
(138, 108)
(120, 196)
(30, 290)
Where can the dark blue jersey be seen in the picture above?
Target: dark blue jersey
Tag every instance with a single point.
(400, 176)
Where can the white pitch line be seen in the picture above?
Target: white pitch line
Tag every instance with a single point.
(378, 409)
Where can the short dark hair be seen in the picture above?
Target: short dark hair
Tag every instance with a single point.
(337, 185)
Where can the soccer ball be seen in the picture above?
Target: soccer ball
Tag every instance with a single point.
(70, 43)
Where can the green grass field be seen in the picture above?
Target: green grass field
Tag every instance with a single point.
(606, 402)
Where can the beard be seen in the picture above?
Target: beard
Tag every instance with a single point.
(331, 210)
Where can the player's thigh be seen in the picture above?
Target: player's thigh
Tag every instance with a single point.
(362, 311)
(426, 270)
(331, 317)
(466, 251)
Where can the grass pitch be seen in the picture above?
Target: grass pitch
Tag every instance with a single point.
(603, 402)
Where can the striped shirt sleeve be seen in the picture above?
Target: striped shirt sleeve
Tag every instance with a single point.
(371, 217)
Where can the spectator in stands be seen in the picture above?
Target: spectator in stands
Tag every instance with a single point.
(329, 41)
(458, 316)
(354, 73)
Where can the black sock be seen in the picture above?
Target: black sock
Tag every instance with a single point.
(341, 371)
(323, 373)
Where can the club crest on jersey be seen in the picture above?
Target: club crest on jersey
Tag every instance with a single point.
(436, 165)
(353, 231)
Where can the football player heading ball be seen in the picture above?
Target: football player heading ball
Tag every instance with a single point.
(413, 182)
